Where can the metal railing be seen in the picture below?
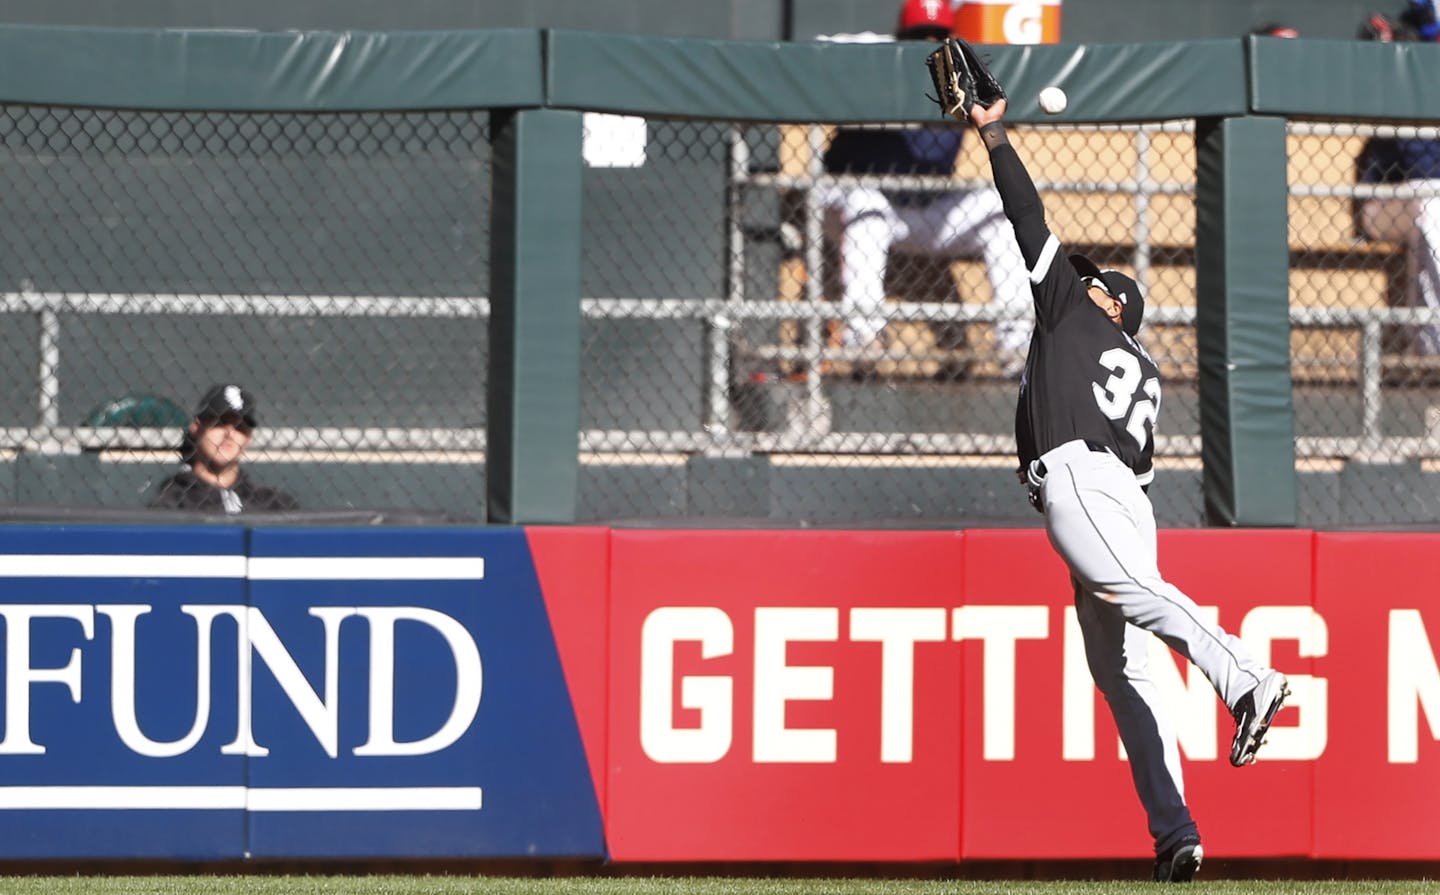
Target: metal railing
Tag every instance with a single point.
(722, 317)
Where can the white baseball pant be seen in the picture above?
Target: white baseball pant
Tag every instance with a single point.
(867, 226)
(1103, 526)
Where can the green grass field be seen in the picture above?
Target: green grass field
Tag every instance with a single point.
(445, 885)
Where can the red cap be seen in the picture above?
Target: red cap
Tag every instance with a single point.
(936, 14)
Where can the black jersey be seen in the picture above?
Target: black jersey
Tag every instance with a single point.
(187, 491)
(1085, 377)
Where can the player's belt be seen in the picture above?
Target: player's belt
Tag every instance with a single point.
(1038, 470)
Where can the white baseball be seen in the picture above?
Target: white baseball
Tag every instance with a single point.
(1053, 100)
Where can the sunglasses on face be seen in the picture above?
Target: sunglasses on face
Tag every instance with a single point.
(1096, 283)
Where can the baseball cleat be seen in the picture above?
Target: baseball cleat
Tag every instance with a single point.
(1253, 714)
(1180, 862)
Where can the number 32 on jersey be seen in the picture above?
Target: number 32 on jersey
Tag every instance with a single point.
(1122, 397)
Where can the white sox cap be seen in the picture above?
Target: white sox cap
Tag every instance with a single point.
(224, 399)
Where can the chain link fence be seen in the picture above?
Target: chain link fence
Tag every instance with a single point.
(333, 264)
(722, 376)
(1364, 230)
(336, 265)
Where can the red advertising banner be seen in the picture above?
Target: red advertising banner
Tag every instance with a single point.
(892, 696)
(1259, 582)
(1025, 791)
(1045, 776)
(573, 568)
(1378, 783)
(783, 696)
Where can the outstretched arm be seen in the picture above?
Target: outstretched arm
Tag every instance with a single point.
(1022, 201)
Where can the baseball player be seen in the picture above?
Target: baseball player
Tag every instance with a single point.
(1088, 401)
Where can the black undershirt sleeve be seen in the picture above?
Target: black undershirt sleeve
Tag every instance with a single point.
(1022, 201)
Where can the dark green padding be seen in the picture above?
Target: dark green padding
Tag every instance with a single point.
(292, 70)
(1247, 420)
(1341, 80)
(833, 82)
(532, 449)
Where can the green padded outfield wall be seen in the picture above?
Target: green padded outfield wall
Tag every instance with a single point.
(1241, 272)
(532, 444)
(1084, 21)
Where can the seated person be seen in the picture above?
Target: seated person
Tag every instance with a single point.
(1411, 222)
(866, 222)
(210, 449)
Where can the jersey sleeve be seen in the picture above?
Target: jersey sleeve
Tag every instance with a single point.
(1053, 282)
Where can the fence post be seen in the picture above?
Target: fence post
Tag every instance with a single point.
(533, 404)
(1242, 252)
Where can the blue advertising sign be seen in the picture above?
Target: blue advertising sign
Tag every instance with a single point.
(443, 727)
(119, 692)
(219, 693)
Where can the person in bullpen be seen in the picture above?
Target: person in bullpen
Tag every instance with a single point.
(211, 449)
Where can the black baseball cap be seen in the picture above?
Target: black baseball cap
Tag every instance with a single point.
(224, 399)
(1120, 286)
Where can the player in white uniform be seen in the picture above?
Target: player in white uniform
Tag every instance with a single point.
(1084, 425)
(867, 222)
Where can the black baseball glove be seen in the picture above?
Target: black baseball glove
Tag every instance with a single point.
(961, 79)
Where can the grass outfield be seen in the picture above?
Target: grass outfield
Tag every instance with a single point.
(445, 885)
